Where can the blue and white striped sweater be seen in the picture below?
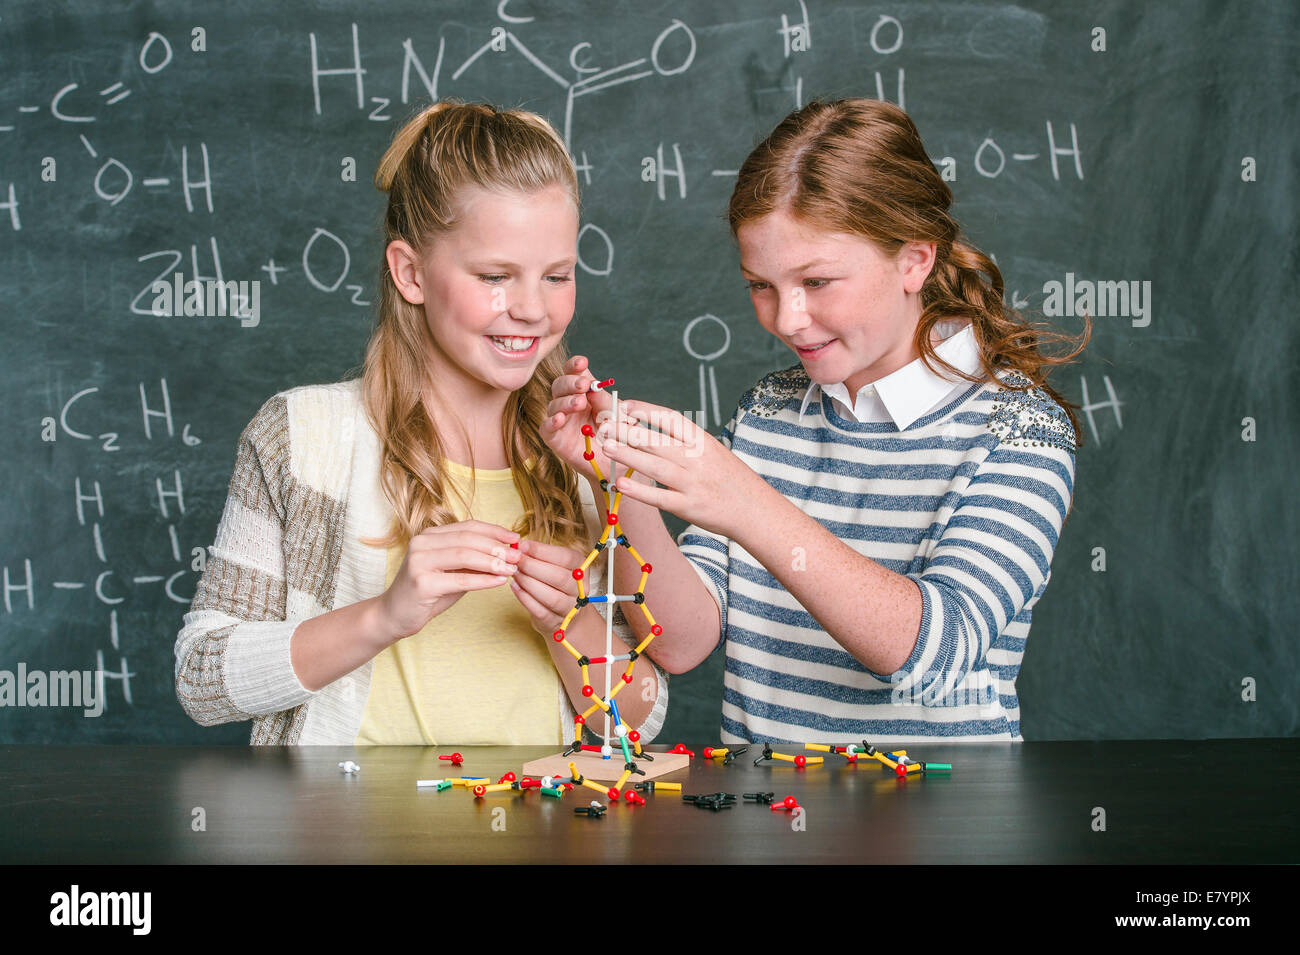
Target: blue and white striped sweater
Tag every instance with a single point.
(968, 501)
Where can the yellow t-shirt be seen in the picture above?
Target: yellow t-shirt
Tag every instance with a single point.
(478, 673)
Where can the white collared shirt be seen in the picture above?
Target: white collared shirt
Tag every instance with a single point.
(907, 394)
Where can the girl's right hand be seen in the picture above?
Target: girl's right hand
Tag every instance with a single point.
(572, 406)
(441, 565)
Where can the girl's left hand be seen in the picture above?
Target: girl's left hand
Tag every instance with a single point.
(571, 408)
(543, 583)
(700, 480)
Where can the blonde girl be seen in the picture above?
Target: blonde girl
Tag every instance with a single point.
(396, 548)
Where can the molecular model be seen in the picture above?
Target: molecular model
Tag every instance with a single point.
(612, 538)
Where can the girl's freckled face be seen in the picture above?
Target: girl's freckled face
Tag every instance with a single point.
(837, 301)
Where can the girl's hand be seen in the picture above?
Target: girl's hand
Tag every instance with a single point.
(441, 565)
(700, 480)
(544, 583)
(572, 406)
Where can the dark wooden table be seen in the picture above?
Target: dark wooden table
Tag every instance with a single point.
(1165, 802)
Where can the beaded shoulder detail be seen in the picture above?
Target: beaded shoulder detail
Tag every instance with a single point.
(773, 392)
(1030, 418)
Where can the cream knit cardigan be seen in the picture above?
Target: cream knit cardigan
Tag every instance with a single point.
(305, 489)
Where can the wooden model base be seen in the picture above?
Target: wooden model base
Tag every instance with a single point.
(606, 770)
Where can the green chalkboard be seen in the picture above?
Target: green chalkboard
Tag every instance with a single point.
(1087, 143)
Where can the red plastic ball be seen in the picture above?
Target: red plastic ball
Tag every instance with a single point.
(900, 769)
(613, 519)
(627, 678)
(580, 720)
(646, 568)
(790, 802)
(515, 545)
(801, 760)
(613, 792)
(508, 778)
(708, 752)
(479, 790)
(587, 690)
(588, 430)
(559, 636)
(656, 630)
(577, 574)
(588, 455)
(634, 736)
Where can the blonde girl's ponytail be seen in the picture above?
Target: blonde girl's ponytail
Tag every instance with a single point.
(403, 144)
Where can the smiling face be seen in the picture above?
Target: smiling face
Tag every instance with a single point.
(847, 309)
(497, 291)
